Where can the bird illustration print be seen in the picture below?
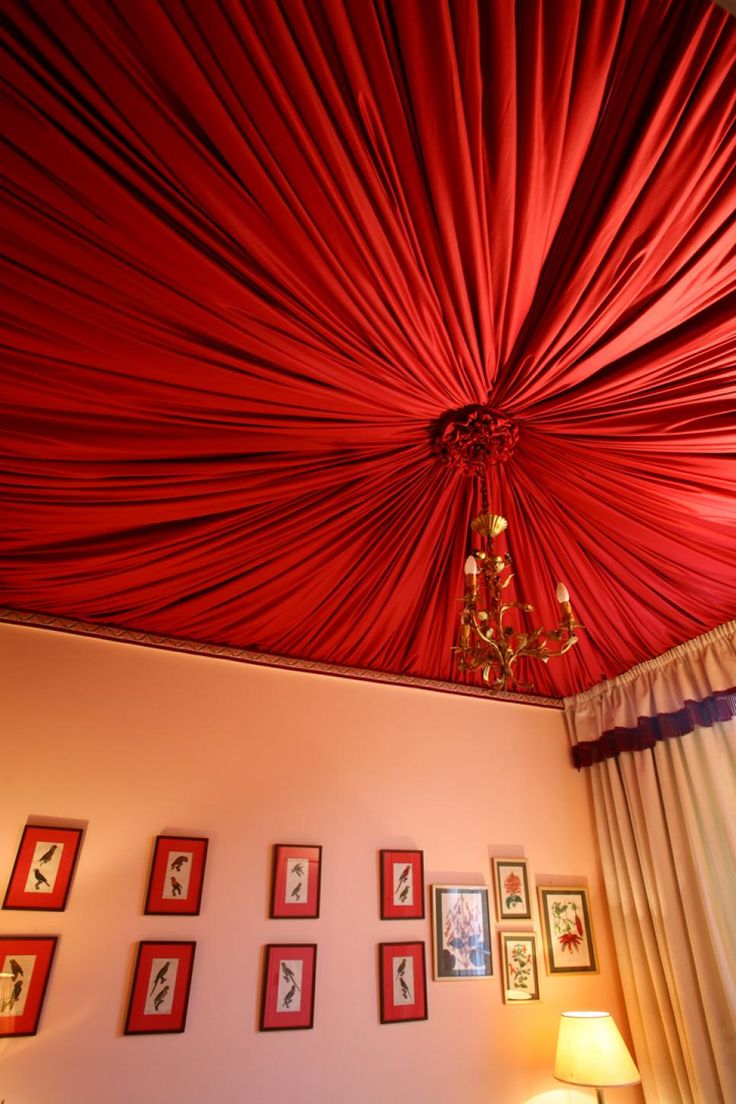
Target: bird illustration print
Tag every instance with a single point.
(160, 997)
(289, 996)
(289, 975)
(404, 894)
(403, 880)
(404, 988)
(40, 879)
(16, 968)
(296, 892)
(178, 863)
(159, 978)
(48, 855)
(176, 887)
(14, 997)
(298, 870)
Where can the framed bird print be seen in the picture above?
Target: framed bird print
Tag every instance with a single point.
(296, 881)
(568, 936)
(25, 964)
(177, 875)
(402, 885)
(159, 995)
(511, 882)
(43, 868)
(288, 986)
(461, 930)
(402, 973)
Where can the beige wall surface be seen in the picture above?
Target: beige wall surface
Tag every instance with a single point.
(137, 742)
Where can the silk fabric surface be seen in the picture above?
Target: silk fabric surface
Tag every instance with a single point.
(255, 252)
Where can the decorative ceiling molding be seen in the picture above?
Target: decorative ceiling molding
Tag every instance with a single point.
(260, 659)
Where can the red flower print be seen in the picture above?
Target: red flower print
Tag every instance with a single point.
(512, 884)
(570, 940)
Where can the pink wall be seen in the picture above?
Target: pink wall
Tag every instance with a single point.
(139, 742)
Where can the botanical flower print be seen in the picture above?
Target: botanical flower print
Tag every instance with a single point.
(520, 966)
(462, 935)
(568, 925)
(512, 891)
(568, 934)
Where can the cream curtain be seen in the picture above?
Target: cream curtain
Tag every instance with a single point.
(666, 821)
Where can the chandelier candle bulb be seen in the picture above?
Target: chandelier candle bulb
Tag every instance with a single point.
(563, 594)
(471, 575)
(471, 566)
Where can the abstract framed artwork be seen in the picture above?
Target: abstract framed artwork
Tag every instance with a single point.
(402, 971)
(511, 883)
(402, 885)
(288, 986)
(25, 964)
(519, 971)
(43, 868)
(177, 876)
(296, 881)
(461, 932)
(569, 947)
(159, 994)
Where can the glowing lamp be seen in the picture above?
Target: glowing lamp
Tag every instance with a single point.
(590, 1051)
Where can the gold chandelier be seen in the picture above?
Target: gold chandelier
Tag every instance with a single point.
(472, 441)
(488, 641)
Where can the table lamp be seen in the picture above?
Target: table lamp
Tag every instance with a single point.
(590, 1051)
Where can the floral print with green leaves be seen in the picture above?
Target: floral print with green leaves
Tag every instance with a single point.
(520, 966)
(512, 891)
(567, 925)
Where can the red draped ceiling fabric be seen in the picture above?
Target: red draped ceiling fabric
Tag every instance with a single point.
(257, 249)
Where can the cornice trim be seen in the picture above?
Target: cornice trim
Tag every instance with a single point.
(261, 659)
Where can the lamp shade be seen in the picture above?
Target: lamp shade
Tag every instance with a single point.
(590, 1051)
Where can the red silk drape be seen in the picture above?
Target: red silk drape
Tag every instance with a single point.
(255, 251)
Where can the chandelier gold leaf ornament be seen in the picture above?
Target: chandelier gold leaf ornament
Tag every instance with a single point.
(490, 641)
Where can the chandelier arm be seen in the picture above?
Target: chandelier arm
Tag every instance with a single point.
(518, 605)
(488, 640)
(565, 647)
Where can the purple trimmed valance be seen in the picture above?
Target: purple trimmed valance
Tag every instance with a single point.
(720, 706)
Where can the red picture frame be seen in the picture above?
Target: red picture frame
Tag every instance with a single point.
(402, 885)
(296, 881)
(25, 965)
(43, 869)
(402, 969)
(177, 876)
(159, 993)
(289, 971)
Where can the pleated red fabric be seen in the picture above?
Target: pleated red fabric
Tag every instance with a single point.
(256, 250)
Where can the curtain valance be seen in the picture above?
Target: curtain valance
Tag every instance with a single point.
(691, 686)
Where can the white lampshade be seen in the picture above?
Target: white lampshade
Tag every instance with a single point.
(590, 1051)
